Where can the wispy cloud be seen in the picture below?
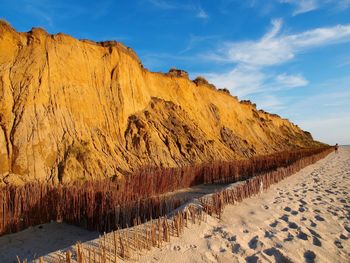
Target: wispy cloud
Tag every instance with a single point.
(163, 4)
(302, 6)
(269, 102)
(305, 6)
(195, 40)
(291, 81)
(275, 48)
(171, 5)
(254, 62)
(202, 14)
(244, 80)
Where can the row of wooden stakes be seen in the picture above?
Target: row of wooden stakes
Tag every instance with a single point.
(105, 205)
(130, 242)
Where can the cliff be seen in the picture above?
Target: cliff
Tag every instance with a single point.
(76, 109)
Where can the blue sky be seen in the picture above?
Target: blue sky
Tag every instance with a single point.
(291, 57)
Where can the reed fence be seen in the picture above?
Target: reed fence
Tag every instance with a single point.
(129, 242)
(108, 205)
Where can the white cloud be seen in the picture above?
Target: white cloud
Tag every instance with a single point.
(305, 6)
(242, 80)
(269, 102)
(196, 40)
(302, 6)
(253, 60)
(202, 14)
(291, 81)
(245, 80)
(171, 5)
(162, 4)
(319, 37)
(275, 48)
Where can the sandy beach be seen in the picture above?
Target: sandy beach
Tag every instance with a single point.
(305, 218)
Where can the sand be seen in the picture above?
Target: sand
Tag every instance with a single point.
(304, 218)
(41, 240)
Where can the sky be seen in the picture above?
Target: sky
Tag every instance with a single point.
(290, 57)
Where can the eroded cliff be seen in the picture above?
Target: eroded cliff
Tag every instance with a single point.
(76, 109)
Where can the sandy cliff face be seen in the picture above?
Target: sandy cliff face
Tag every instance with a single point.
(73, 109)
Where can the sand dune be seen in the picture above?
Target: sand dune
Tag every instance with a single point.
(305, 218)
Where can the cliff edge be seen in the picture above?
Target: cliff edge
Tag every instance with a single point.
(75, 109)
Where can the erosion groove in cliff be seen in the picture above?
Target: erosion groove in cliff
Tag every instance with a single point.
(75, 109)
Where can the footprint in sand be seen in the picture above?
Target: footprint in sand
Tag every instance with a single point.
(309, 256)
(319, 218)
(287, 209)
(294, 213)
(269, 234)
(338, 244)
(232, 238)
(252, 259)
(236, 249)
(301, 235)
(316, 242)
(301, 209)
(302, 202)
(176, 248)
(222, 249)
(313, 232)
(342, 236)
(255, 243)
(293, 225)
(290, 237)
(279, 257)
(274, 224)
(285, 218)
(312, 223)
